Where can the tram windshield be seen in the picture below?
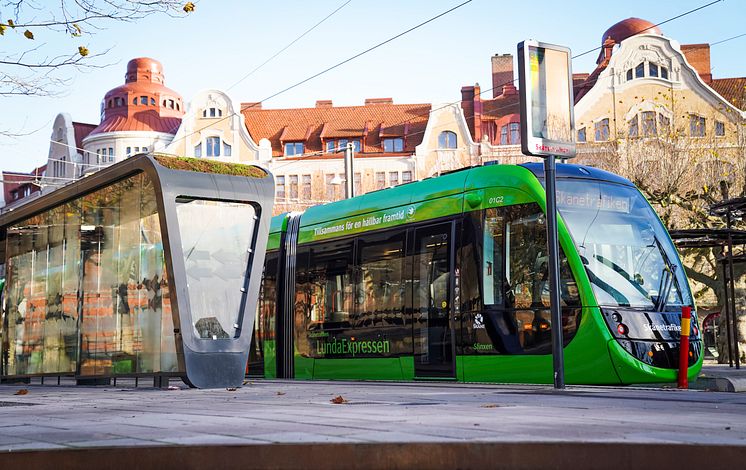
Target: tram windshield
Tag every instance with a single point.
(625, 249)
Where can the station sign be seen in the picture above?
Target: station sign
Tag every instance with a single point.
(547, 118)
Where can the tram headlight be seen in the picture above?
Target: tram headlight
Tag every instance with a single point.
(622, 329)
(616, 317)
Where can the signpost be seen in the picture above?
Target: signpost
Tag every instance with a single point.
(548, 131)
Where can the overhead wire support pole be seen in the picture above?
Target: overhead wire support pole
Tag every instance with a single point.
(349, 171)
(732, 283)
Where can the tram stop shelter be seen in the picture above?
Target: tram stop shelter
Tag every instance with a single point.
(150, 267)
(727, 239)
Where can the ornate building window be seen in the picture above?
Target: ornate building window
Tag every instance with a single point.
(602, 130)
(654, 70)
(280, 188)
(294, 187)
(646, 124)
(634, 127)
(649, 127)
(581, 134)
(447, 140)
(697, 126)
(212, 112)
(212, 146)
(380, 180)
(719, 129)
(307, 187)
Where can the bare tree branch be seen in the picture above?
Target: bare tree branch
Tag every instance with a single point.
(70, 21)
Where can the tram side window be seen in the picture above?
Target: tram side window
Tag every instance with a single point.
(381, 285)
(515, 317)
(331, 285)
(527, 261)
(493, 248)
(265, 319)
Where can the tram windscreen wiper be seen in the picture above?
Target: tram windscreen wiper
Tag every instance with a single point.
(668, 277)
(622, 272)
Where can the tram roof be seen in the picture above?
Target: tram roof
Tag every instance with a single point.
(573, 171)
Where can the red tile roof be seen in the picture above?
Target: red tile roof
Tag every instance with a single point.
(13, 180)
(372, 122)
(81, 132)
(502, 106)
(732, 89)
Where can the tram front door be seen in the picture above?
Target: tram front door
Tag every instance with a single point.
(431, 279)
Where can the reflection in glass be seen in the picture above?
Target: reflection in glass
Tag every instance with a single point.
(84, 287)
(623, 245)
(216, 238)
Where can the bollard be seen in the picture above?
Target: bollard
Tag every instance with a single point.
(686, 321)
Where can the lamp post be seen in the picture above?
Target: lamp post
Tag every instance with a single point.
(349, 151)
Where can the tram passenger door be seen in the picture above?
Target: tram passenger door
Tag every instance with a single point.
(432, 299)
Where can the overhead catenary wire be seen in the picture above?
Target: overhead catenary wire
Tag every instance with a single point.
(328, 69)
(310, 155)
(288, 45)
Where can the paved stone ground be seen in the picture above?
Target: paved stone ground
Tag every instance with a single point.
(262, 412)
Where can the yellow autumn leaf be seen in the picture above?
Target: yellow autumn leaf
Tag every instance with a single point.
(188, 7)
(28, 34)
(2, 30)
(83, 50)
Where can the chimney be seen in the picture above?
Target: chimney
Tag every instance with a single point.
(471, 104)
(251, 105)
(324, 103)
(502, 73)
(377, 101)
(698, 56)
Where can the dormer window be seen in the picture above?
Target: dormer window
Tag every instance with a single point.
(293, 148)
(393, 145)
(340, 144)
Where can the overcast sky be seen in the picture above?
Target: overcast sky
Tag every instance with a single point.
(222, 41)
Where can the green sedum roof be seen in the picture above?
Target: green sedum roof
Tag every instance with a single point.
(210, 166)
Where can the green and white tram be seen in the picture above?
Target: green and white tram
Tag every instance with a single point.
(447, 279)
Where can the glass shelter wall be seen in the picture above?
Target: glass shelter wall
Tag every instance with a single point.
(87, 289)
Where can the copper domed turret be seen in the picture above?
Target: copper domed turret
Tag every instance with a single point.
(626, 29)
(143, 103)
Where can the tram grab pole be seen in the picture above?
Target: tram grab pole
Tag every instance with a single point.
(686, 326)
